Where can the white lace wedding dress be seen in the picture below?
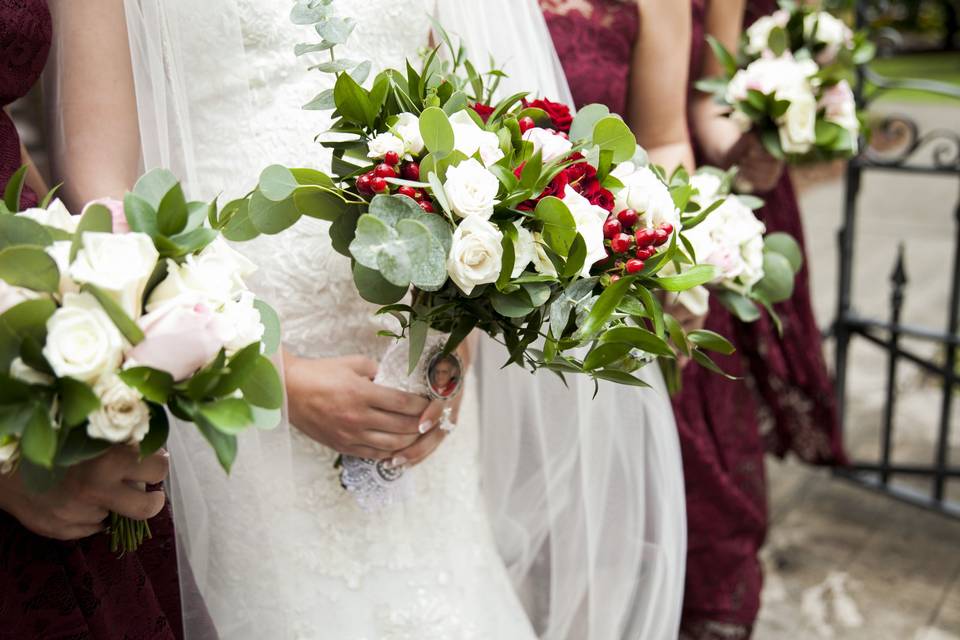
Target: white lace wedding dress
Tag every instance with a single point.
(426, 567)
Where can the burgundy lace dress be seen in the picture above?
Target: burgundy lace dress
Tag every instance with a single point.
(76, 590)
(785, 402)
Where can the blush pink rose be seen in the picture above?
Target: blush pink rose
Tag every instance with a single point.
(120, 224)
(181, 337)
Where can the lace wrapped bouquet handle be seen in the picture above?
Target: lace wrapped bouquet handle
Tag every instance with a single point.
(110, 319)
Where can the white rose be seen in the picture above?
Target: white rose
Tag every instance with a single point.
(82, 341)
(60, 252)
(752, 253)
(408, 130)
(470, 139)
(20, 370)
(216, 274)
(758, 35)
(123, 416)
(771, 75)
(731, 239)
(550, 144)
(524, 249)
(383, 144)
(589, 219)
(646, 194)
(9, 453)
(798, 126)
(11, 296)
(55, 215)
(708, 187)
(824, 28)
(120, 264)
(241, 324)
(471, 189)
(476, 255)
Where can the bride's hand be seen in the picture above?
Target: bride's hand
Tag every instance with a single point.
(335, 402)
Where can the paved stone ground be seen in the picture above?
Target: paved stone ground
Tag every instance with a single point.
(843, 562)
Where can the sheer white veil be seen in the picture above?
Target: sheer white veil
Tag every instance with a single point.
(585, 494)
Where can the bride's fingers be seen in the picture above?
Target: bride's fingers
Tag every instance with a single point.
(396, 423)
(366, 452)
(362, 366)
(421, 450)
(394, 400)
(387, 441)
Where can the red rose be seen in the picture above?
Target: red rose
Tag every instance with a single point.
(559, 113)
(579, 171)
(556, 187)
(519, 170)
(483, 110)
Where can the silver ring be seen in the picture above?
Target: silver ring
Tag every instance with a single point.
(446, 423)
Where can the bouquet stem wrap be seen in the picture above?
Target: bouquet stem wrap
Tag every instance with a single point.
(374, 483)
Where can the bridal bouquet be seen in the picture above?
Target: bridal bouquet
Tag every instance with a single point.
(551, 233)
(789, 80)
(113, 317)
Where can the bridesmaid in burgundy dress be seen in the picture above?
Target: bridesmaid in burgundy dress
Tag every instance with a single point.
(74, 586)
(785, 402)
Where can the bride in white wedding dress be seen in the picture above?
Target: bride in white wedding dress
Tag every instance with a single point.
(585, 528)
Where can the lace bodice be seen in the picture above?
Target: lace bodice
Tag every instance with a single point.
(424, 568)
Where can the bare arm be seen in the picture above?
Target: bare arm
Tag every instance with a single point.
(96, 144)
(34, 180)
(658, 87)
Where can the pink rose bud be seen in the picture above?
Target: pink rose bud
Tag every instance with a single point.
(180, 338)
(120, 224)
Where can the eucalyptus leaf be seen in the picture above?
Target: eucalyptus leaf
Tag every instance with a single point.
(785, 245)
(14, 188)
(159, 431)
(39, 442)
(96, 218)
(227, 415)
(740, 306)
(271, 327)
(272, 217)
(77, 401)
(224, 445)
(29, 267)
(141, 217)
(559, 226)
(18, 230)
(154, 185)
(127, 327)
(778, 278)
(263, 387)
(612, 134)
(374, 288)
(436, 130)
(277, 183)
(154, 385)
(418, 340)
(172, 214)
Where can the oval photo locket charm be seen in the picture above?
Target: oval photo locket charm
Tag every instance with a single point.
(444, 376)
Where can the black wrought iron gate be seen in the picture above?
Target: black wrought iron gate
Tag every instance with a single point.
(936, 153)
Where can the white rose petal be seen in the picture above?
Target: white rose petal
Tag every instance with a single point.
(9, 453)
(471, 190)
(20, 370)
(731, 239)
(408, 130)
(82, 341)
(646, 194)
(589, 219)
(707, 185)
(60, 252)
(120, 264)
(55, 215)
(470, 139)
(827, 29)
(242, 325)
(524, 249)
(476, 255)
(383, 144)
(550, 144)
(758, 35)
(541, 261)
(123, 416)
(798, 126)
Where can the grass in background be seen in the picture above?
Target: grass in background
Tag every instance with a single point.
(941, 67)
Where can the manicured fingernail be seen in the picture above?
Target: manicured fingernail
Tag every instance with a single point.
(425, 426)
(396, 462)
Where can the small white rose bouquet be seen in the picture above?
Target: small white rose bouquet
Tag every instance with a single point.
(753, 269)
(790, 81)
(110, 318)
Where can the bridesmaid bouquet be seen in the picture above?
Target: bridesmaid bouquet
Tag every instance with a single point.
(789, 80)
(111, 318)
(753, 269)
(549, 232)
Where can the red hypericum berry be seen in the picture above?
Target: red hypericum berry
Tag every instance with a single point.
(392, 158)
(614, 278)
(363, 183)
(660, 237)
(410, 171)
(427, 206)
(526, 123)
(410, 192)
(611, 228)
(621, 243)
(666, 226)
(628, 218)
(645, 253)
(384, 170)
(379, 185)
(634, 265)
(645, 237)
